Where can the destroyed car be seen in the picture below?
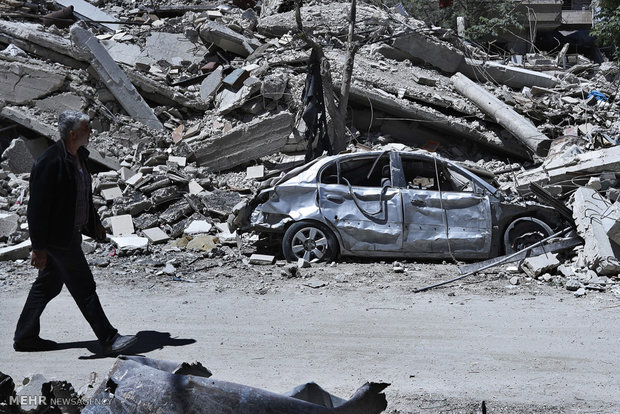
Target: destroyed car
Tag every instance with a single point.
(392, 204)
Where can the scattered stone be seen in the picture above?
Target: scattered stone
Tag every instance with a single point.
(572, 284)
(262, 259)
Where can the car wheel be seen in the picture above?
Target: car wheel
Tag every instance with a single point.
(312, 242)
(523, 232)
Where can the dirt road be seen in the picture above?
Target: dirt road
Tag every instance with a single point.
(525, 348)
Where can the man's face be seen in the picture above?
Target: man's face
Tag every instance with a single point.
(81, 134)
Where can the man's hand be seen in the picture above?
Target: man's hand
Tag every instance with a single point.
(100, 234)
(38, 259)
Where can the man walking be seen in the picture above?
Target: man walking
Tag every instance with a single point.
(59, 209)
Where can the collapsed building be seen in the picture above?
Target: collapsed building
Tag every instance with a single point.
(195, 106)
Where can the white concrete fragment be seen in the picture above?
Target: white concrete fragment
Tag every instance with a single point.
(135, 179)
(536, 266)
(8, 223)
(130, 242)
(198, 227)
(111, 193)
(180, 161)
(156, 235)
(255, 171)
(122, 225)
(194, 187)
(262, 259)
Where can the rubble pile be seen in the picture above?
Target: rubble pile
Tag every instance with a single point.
(184, 97)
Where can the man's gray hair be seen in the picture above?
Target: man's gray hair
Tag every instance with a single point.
(70, 121)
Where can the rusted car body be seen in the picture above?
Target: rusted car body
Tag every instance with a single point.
(392, 204)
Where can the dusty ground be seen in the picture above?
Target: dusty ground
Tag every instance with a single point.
(530, 348)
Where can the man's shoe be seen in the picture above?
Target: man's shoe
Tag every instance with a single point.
(118, 344)
(35, 344)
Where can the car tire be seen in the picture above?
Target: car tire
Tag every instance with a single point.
(523, 232)
(310, 241)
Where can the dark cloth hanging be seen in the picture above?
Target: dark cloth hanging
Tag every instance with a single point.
(445, 3)
(314, 113)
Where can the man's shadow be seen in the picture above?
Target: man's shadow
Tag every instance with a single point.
(147, 341)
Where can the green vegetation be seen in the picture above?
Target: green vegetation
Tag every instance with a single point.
(484, 18)
(607, 25)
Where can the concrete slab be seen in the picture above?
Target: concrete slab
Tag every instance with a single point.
(227, 39)
(256, 139)
(21, 82)
(16, 252)
(17, 157)
(114, 78)
(87, 11)
(122, 225)
(111, 193)
(156, 235)
(61, 102)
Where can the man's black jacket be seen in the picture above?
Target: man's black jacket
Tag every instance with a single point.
(53, 192)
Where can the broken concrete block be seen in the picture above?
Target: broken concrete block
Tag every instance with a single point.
(19, 251)
(256, 139)
(18, 157)
(513, 76)
(121, 225)
(600, 255)
(130, 242)
(274, 86)
(229, 100)
(135, 179)
(536, 266)
(611, 222)
(560, 169)
(211, 84)
(8, 224)
(168, 46)
(256, 171)
(114, 78)
(572, 284)
(204, 243)
(21, 82)
(198, 227)
(227, 39)
(431, 50)
(180, 161)
(87, 11)
(126, 173)
(156, 235)
(111, 193)
(61, 102)
(262, 259)
(236, 78)
(195, 188)
(303, 263)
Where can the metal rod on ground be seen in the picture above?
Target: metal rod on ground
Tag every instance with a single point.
(559, 233)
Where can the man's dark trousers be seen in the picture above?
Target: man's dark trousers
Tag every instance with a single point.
(69, 267)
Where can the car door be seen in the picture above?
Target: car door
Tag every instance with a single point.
(366, 214)
(454, 220)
